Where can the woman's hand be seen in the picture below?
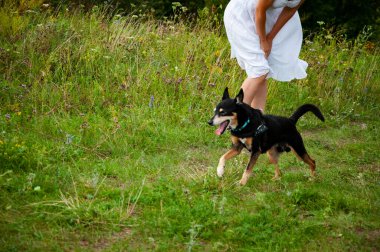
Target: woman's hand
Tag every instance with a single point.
(266, 46)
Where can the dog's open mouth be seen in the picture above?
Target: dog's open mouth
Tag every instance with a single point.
(222, 127)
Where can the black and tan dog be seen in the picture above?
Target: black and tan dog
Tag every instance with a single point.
(260, 133)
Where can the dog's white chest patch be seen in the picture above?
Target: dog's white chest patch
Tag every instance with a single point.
(243, 140)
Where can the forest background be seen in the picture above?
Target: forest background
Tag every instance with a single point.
(347, 17)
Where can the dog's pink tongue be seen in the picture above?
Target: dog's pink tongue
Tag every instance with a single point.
(219, 131)
(221, 128)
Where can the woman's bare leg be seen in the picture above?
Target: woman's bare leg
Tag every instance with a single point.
(255, 92)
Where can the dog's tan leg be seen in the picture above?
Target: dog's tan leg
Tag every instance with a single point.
(295, 153)
(234, 151)
(248, 171)
(308, 160)
(273, 156)
(248, 143)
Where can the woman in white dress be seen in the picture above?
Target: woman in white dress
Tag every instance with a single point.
(265, 38)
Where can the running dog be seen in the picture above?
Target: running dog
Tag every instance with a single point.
(260, 133)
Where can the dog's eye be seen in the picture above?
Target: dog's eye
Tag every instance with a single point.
(223, 113)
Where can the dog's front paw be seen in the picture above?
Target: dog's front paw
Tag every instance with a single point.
(243, 181)
(245, 178)
(220, 171)
(276, 177)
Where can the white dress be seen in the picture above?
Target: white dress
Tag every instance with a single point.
(283, 63)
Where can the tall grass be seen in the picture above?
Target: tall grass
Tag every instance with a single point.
(107, 61)
(103, 138)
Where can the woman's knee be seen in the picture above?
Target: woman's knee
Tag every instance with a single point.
(256, 79)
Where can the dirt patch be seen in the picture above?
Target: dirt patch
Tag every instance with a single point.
(308, 133)
(372, 236)
(104, 243)
(369, 168)
(360, 125)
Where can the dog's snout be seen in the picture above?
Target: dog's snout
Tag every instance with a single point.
(211, 122)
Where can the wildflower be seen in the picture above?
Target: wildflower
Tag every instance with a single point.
(69, 139)
(31, 177)
(18, 113)
(320, 23)
(8, 116)
(151, 101)
(84, 125)
(168, 80)
(369, 45)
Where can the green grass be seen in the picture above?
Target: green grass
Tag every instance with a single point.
(104, 142)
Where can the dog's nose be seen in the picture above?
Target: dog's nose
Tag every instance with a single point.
(211, 123)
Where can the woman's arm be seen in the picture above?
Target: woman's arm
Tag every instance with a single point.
(286, 14)
(260, 18)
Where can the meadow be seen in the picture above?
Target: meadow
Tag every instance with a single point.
(104, 142)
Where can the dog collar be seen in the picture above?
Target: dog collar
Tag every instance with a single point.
(242, 127)
(259, 131)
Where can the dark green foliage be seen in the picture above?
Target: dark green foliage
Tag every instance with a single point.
(347, 16)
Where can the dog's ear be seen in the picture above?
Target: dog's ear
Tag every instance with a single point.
(240, 97)
(226, 95)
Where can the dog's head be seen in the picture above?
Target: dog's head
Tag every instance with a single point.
(225, 113)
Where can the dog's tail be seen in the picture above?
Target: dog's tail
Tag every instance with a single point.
(304, 109)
